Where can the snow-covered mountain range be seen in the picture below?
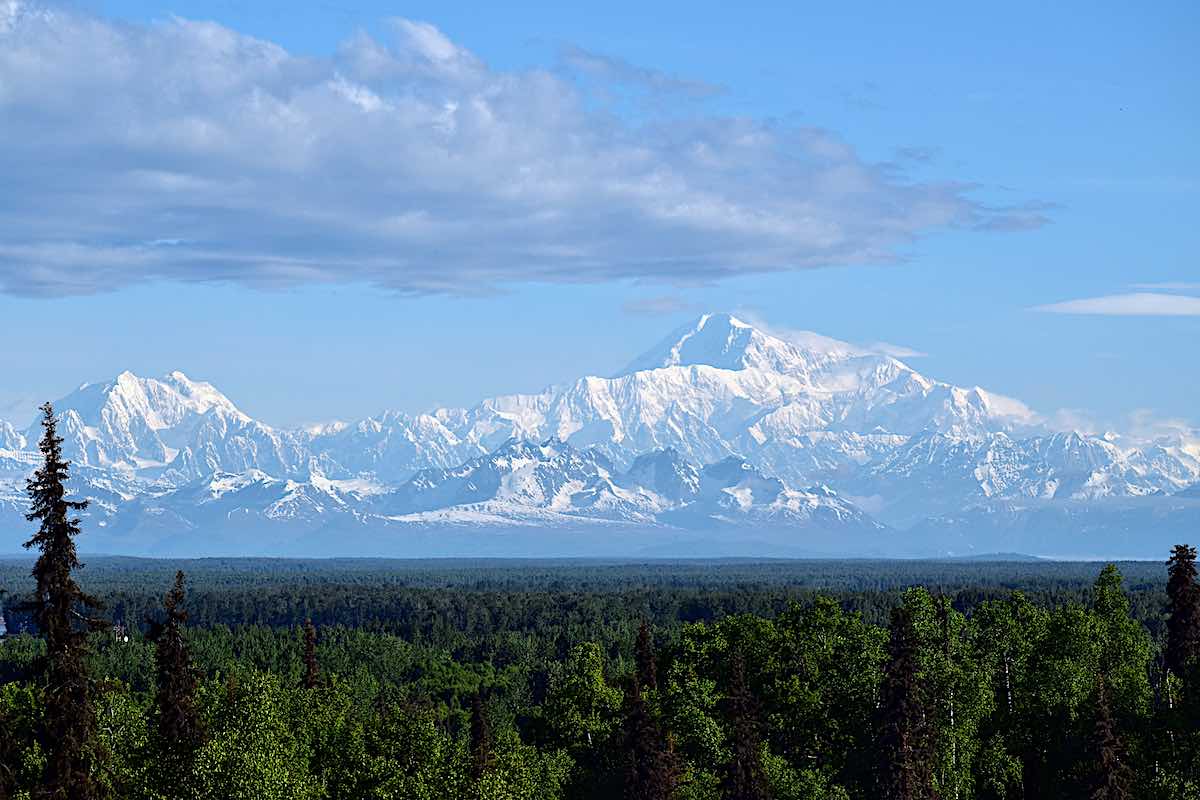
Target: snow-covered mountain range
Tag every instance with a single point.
(723, 437)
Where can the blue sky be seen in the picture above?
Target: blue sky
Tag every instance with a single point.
(369, 213)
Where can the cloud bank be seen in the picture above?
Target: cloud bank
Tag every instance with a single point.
(1134, 304)
(186, 151)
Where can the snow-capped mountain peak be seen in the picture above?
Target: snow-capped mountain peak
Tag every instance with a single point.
(726, 342)
(174, 423)
(160, 403)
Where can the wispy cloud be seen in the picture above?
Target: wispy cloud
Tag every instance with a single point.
(895, 350)
(1145, 304)
(1169, 286)
(1019, 217)
(617, 70)
(187, 151)
(663, 304)
(1149, 425)
(920, 154)
(815, 341)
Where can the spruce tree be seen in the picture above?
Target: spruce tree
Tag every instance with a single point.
(905, 743)
(312, 672)
(647, 668)
(481, 739)
(175, 711)
(1182, 664)
(744, 777)
(651, 771)
(1183, 609)
(59, 609)
(1108, 776)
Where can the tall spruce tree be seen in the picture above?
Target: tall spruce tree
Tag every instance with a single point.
(177, 719)
(1183, 609)
(647, 667)
(651, 771)
(60, 610)
(482, 757)
(905, 743)
(312, 673)
(1108, 776)
(744, 778)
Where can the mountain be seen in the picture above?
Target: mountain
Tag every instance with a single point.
(521, 488)
(519, 480)
(722, 427)
(10, 439)
(170, 427)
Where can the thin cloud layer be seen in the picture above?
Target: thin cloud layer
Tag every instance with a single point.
(660, 305)
(616, 70)
(1170, 286)
(186, 151)
(1134, 304)
(895, 350)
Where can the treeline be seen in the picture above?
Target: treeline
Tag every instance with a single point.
(992, 697)
(477, 610)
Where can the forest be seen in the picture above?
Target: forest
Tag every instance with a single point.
(366, 679)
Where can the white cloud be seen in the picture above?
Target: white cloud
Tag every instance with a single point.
(816, 341)
(1080, 420)
(407, 164)
(1150, 304)
(895, 350)
(1146, 425)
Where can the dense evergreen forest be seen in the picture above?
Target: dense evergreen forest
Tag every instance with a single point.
(370, 679)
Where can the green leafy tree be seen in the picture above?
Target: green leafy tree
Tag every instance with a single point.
(253, 752)
(956, 690)
(521, 771)
(21, 756)
(411, 757)
(583, 715)
(1004, 640)
(1123, 652)
(691, 716)
(821, 701)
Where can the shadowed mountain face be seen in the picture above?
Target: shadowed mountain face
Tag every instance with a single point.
(719, 428)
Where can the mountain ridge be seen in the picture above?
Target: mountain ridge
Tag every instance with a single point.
(893, 447)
